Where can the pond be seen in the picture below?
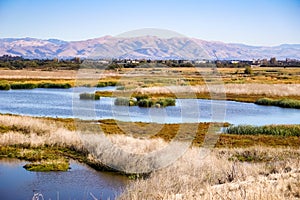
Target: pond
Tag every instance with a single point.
(80, 182)
(65, 103)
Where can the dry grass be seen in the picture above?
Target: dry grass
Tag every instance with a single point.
(201, 174)
(33, 132)
(245, 89)
(37, 74)
(256, 172)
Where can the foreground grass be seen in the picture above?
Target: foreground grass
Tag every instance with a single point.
(241, 167)
(222, 174)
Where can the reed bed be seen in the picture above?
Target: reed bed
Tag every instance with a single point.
(25, 85)
(238, 89)
(276, 130)
(284, 103)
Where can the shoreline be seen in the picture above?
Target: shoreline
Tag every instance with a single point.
(66, 142)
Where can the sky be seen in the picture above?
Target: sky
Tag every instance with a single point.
(252, 22)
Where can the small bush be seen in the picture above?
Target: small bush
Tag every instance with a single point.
(105, 84)
(145, 103)
(54, 85)
(248, 70)
(23, 86)
(4, 85)
(123, 101)
(89, 96)
(141, 96)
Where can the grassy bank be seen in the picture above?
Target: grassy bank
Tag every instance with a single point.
(284, 103)
(239, 167)
(275, 130)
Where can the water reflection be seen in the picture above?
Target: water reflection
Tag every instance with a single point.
(80, 182)
(65, 103)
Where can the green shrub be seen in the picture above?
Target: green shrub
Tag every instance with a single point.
(141, 96)
(123, 101)
(89, 96)
(120, 88)
(164, 102)
(105, 84)
(54, 85)
(277, 130)
(145, 103)
(23, 86)
(101, 84)
(4, 85)
(284, 103)
(248, 70)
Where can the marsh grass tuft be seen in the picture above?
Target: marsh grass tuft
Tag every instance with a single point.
(48, 165)
(145, 101)
(284, 103)
(4, 85)
(275, 130)
(89, 96)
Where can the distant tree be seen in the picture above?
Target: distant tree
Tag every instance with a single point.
(273, 61)
(248, 70)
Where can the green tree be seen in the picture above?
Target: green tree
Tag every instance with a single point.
(248, 70)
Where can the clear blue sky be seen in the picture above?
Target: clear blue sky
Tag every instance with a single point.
(254, 22)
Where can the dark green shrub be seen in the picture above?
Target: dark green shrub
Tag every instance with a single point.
(89, 96)
(145, 103)
(123, 101)
(54, 85)
(23, 86)
(105, 84)
(248, 70)
(277, 130)
(101, 84)
(141, 96)
(4, 85)
(284, 103)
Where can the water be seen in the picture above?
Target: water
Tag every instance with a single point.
(80, 182)
(65, 103)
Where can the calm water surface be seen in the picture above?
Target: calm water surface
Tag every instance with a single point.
(80, 182)
(65, 103)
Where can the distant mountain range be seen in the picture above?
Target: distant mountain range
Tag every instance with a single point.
(144, 47)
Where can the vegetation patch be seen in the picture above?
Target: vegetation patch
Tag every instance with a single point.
(29, 85)
(123, 101)
(55, 85)
(48, 165)
(23, 85)
(106, 83)
(89, 96)
(284, 103)
(4, 85)
(276, 130)
(144, 101)
(250, 156)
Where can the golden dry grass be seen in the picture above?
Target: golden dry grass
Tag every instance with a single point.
(201, 174)
(255, 172)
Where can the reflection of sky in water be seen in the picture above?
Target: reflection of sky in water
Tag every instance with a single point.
(66, 103)
(77, 183)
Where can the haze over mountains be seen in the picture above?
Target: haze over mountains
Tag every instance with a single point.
(144, 47)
